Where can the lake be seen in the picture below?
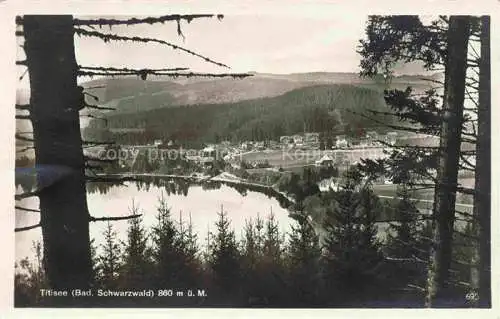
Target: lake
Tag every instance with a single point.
(199, 203)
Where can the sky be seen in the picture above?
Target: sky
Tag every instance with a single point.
(268, 43)
(262, 43)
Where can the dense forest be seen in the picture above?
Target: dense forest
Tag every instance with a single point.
(314, 109)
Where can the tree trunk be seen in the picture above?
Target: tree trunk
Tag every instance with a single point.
(447, 173)
(481, 261)
(55, 101)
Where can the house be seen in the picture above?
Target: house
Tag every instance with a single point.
(260, 145)
(298, 139)
(285, 139)
(157, 143)
(325, 161)
(246, 146)
(391, 138)
(341, 142)
(207, 161)
(328, 184)
(208, 151)
(311, 138)
(193, 158)
(170, 144)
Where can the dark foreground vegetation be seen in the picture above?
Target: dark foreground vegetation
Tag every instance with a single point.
(350, 266)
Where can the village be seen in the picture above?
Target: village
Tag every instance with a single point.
(252, 159)
(289, 152)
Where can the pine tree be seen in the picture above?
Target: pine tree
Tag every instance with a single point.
(251, 259)
(187, 247)
(95, 263)
(30, 279)
(404, 233)
(407, 247)
(191, 247)
(273, 279)
(136, 260)
(165, 253)
(303, 263)
(109, 263)
(251, 251)
(351, 253)
(272, 248)
(224, 258)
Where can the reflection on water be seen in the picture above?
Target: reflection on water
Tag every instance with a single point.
(181, 185)
(187, 200)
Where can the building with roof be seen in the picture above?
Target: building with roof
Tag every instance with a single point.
(341, 141)
(325, 161)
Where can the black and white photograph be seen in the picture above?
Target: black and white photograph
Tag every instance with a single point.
(252, 160)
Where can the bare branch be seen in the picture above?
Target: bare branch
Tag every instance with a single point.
(432, 81)
(108, 37)
(25, 149)
(26, 195)
(27, 209)
(23, 75)
(23, 117)
(110, 179)
(411, 260)
(95, 143)
(173, 75)
(477, 56)
(417, 287)
(94, 87)
(149, 20)
(473, 60)
(23, 107)
(132, 71)
(466, 235)
(466, 161)
(22, 138)
(99, 219)
(468, 84)
(459, 283)
(96, 159)
(95, 117)
(92, 96)
(20, 229)
(465, 214)
(96, 107)
(466, 190)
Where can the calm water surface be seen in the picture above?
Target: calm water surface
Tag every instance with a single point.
(201, 204)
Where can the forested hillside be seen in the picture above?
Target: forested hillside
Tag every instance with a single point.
(319, 108)
(129, 94)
